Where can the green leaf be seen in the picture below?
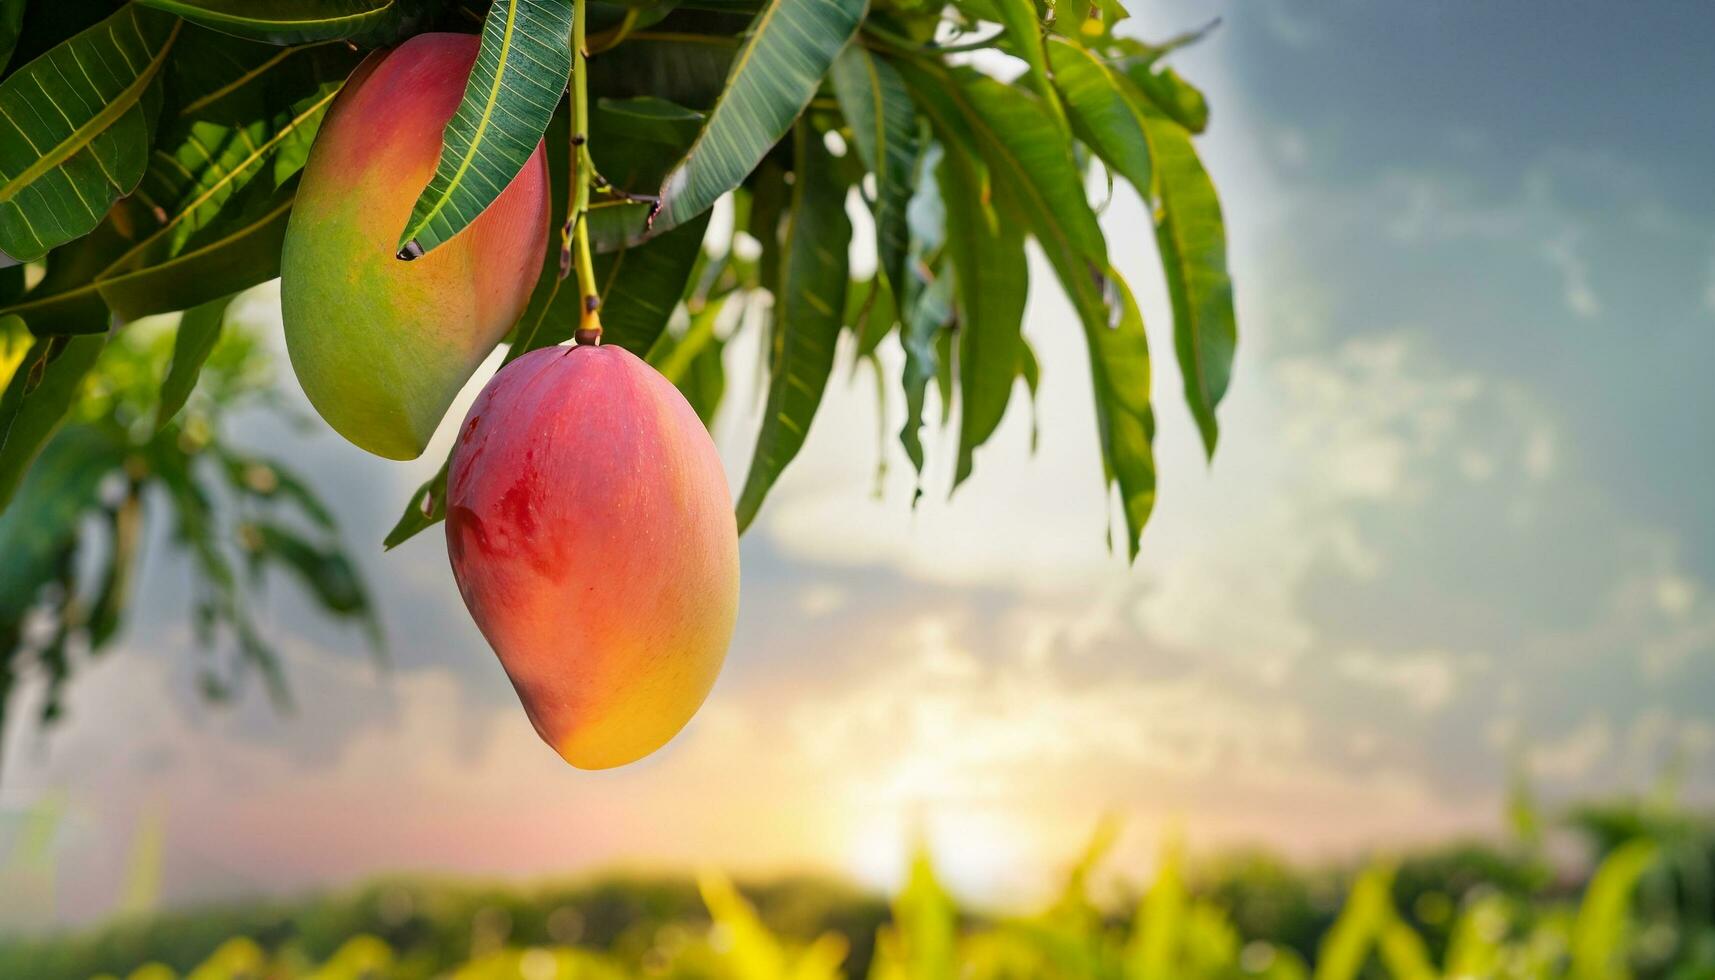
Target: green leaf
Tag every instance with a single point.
(633, 142)
(1119, 370)
(1170, 94)
(520, 73)
(1192, 239)
(11, 23)
(791, 45)
(1038, 185)
(199, 330)
(75, 127)
(1598, 943)
(693, 361)
(35, 535)
(427, 508)
(66, 301)
(641, 285)
(992, 279)
(294, 21)
(931, 315)
(809, 301)
(36, 400)
(669, 62)
(884, 126)
(219, 194)
(1102, 115)
(1024, 31)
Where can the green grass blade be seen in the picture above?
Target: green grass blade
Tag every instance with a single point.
(75, 126)
(791, 46)
(812, 295)
(521, 70)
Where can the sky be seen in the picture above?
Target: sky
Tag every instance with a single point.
(1457, 522)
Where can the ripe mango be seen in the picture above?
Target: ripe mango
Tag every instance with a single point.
(382, 345)
(592, 535)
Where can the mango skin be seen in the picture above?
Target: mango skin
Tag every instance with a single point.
(592, 535)
(380, 345)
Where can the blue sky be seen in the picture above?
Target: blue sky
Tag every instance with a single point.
(1458, 518)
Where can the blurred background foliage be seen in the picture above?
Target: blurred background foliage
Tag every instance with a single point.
(129, 456)
(1617, 890)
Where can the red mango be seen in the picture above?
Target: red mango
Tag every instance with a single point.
(592, 535)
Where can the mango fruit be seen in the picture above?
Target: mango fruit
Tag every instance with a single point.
(592, 535)
(382, 345)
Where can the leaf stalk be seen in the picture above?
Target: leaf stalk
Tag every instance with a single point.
(576, 249)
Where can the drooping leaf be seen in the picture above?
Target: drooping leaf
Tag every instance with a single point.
(1192, 239)
(790, 47)
(992, 280)
(927, 320)
(1025, 150)
(884, 125)
(520, 72)
(36, 400)
(1119, 372)
(37, 533)
(199, 330)
(809, 300)
(324, 572)
(297, 21)
(1038, 184)
(1102, 116)
(66, 300)
(427, 507)
(75, 127)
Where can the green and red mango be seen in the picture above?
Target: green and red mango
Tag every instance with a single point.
(382, 346)
(592, 535)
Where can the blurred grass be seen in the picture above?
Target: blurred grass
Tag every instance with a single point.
(1467, 910)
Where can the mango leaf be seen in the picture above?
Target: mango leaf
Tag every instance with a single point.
(884, 126)
(1024, 31)
(931, 316)
(199, 331)
(641, 285)
(810, 298)
(66, 300)
(427, 508)
(1038, 185)
(220, 195)
(791, 45)
(520, 72)
(295, 21)
(1192, 239)
(325, 573)
(1172, 95)
(693, 361)
(11, 24)
(1119, 369)
(633, 142)
(1102, 115)
(36, 400)
(75, 126)
(992, 279)
(668, 62)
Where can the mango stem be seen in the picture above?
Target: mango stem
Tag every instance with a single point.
(582, 171)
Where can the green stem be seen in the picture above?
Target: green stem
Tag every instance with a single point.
(582, 172)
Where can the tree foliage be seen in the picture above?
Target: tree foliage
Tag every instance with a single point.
(150, 152)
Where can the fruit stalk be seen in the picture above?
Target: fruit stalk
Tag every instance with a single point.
(582, 171)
